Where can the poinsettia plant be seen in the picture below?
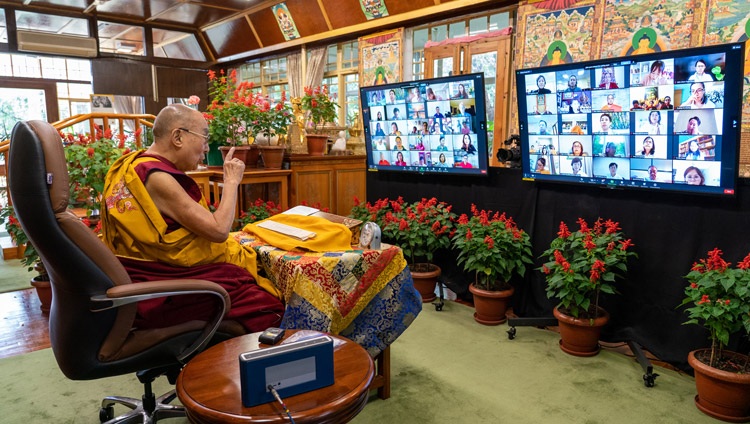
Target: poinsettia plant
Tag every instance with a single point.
(584, 263)
(492, 247)
(719, 299)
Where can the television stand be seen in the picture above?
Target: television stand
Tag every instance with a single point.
(649, 375)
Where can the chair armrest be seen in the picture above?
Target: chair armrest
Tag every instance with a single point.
(132, 293)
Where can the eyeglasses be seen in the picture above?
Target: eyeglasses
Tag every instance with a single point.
(204, 137)
(697, 90)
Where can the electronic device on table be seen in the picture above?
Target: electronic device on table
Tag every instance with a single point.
(289, 369)
(667, 121)
(429, 126)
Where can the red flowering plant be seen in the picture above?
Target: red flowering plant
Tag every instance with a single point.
(585, 263)
(89, 158)
(375, 212)
(419, 228)
(719, 299)
(492, 246)
(259, 211)
(319, 107)
(239, 110)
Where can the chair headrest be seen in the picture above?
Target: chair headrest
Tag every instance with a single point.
(55, 163)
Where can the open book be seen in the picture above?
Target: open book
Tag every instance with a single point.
(287, 230)
(350, 223)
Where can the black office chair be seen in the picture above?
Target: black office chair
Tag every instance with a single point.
(91, 321)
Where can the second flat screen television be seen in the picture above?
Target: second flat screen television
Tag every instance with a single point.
(663, 121)
(435, 126)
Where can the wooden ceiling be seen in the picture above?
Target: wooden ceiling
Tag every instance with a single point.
(233, 30)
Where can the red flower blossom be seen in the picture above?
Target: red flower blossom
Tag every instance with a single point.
(489, 242)
(564, 232)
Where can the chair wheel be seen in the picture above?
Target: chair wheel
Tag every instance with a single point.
(512, 333)
(438, 307)
(106, 414)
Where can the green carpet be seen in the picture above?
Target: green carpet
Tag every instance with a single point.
(14, 275)
(445, 369)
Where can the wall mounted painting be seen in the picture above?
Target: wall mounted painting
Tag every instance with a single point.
(639, 26)
(286, 23)
(380, 58)
(373, 9)
(103, 103)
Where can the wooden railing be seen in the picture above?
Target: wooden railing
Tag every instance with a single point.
(139, 121)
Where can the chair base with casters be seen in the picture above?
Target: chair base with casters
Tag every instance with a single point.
(148, 409)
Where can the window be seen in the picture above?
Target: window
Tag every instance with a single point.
(268, 76)
(342, 78)
(121, 38)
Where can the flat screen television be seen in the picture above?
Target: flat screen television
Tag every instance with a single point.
(435, 126)
(660, 121)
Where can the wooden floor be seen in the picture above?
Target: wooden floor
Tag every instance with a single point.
(23, 328)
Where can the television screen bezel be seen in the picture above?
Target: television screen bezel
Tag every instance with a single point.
(479, 117)
(731, 127)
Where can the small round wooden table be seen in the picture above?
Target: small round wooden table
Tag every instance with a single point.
(209, 387)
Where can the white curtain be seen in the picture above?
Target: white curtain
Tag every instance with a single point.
(294, 65)
(130, 105)
(316, 66)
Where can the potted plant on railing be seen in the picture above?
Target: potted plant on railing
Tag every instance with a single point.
(493, 248)
(582, 265)
(719, 299)
(319, 110)
(420, 229)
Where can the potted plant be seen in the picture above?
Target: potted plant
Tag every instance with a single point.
(420, 229)
(258, 211)
(89, 159)
(582, 265)
(719, 300)
(319, 110)
(30, 257)
(493, 248)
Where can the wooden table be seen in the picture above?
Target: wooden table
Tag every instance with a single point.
(209, 387)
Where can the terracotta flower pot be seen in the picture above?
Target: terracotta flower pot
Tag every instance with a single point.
(491, 305)
(44, 290)
(247, 153)
(317, 144)
(580, 336)
(273, 156)
(424, 281)
(721, 394)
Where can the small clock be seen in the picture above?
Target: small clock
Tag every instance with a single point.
(369, 237)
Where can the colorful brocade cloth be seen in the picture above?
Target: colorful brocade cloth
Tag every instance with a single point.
(367, 296)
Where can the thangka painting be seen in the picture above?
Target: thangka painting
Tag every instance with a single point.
(561, 36)
(729, 21)
(380, 58)
(286, 23)
(373, 9)
(634, 27)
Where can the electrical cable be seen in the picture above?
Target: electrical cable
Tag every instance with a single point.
(283, 405)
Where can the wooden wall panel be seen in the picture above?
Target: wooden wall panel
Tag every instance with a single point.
(174, 82)
(233, 37)
(401, 6)
(350, 183)
(307, 16)
(343, 13)
(267, 27)
(123, 77)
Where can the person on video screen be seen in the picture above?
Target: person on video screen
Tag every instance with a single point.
(442, 161)
(652, 173)
(611, 106)
(610, 149)
(572, 85)
(694, 176)
(648, 147)
(465, 162)
(540, 86)
(605, 123)
(656, 76)
(462, 94)
(383, 160)
(466, 145)
(613, 172)
(442, 147)
(694, 151)
(700, 74)
(379, 130)
(666, 104)
(541, 166)
(698, 98)
(399, 144)
(394, 129)
(576, 149)
(391, 96)
(400, 159)
(693, 126)
(608, 78)
(653, 126)
(577, 164)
